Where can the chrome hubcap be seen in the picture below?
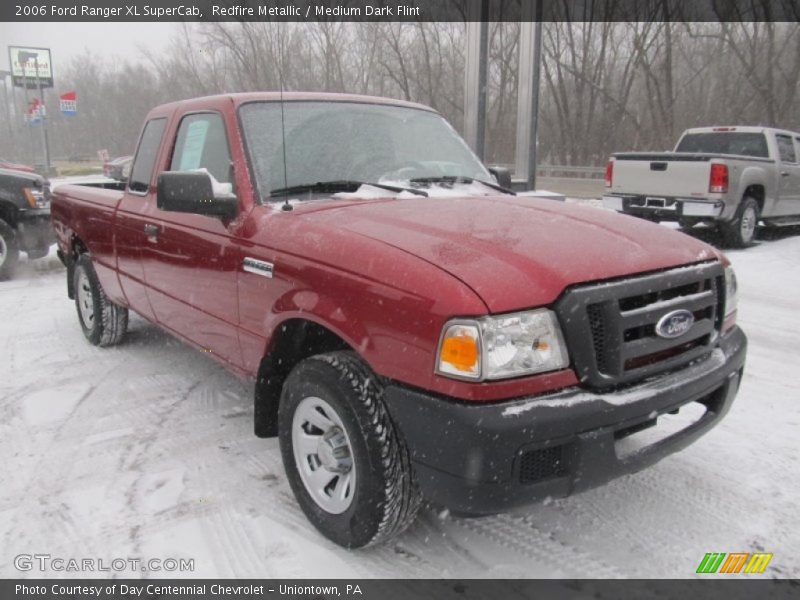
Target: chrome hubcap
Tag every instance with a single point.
(323, 455)
(3, 251)
(85, 300)
(748, 225)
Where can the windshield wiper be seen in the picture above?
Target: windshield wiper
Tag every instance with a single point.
(341, 185)
(462, 179)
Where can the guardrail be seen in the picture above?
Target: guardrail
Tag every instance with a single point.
(568, 171)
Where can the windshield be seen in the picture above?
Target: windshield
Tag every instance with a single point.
(348, 141)
(742, 144)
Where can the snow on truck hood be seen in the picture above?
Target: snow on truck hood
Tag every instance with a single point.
(517, 253)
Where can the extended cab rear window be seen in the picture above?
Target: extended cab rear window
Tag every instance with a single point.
(739, 143)
(146, 155)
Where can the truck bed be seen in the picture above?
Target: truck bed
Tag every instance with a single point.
(668, 174)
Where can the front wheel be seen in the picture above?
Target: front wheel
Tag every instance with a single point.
(103, 322)
(741, 232)
(346, 462)
(9, 251)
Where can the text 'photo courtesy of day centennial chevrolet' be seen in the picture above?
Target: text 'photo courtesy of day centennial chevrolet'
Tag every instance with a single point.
(415, 329)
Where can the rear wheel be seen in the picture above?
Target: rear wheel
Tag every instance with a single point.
(741, 232)
(347, 464)
(103, 322)
(9, 251)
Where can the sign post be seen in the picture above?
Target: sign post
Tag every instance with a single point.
(44, 117)
(3, 76)
(22, 60)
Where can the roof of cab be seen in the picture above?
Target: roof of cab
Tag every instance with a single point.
(243, 98)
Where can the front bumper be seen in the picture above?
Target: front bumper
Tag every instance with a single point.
(34, 230)
(483, 459)
(666, 208)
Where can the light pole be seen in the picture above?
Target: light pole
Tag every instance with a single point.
(3, 76)
(530, 64)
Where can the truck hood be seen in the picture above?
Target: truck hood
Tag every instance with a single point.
(516, 253)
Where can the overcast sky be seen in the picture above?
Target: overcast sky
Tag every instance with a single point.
(66, 40)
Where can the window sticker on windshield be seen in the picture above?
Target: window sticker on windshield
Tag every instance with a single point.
(193, 144)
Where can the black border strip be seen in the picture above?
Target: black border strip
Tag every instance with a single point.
(711, 587)
(392, 11)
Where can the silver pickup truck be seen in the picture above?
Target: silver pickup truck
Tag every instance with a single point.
(734, 177)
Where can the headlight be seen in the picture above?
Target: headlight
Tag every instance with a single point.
(36, 198)
(504, 346)
(731, 298)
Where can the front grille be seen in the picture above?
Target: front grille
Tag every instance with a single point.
(618, 319)
(537, 465)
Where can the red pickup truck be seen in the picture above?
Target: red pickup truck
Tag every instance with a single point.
(415, 330)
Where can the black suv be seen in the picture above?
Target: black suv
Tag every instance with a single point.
(24, 218)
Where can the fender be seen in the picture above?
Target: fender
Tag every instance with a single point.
(90, 214)
(324, 311)
(753, 175)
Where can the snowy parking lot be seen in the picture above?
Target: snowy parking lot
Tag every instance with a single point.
(146, 450)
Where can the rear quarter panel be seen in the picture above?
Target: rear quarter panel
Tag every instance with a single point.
(87, 214)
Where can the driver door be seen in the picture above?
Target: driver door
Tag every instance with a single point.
(192, 261)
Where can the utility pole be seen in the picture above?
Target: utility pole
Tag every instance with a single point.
(530, 60)
(475, 76)
(4, 75)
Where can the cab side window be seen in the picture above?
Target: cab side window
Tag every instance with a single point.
(202, 143)
(786, 148)
(146, 155)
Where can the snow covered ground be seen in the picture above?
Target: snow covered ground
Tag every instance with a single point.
(146, 450)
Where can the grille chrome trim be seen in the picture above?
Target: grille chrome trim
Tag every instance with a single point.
(619, 317)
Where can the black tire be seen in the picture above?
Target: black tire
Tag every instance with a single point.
(103, 322)
(9, 251)
(741, 231)
(386, 498)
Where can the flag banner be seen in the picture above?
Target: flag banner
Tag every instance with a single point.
(69, 104)
(35, 113)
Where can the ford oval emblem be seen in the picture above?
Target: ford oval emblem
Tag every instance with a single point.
(674, 324)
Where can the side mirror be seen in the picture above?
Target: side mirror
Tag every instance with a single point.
(192, 192)
(502, 175)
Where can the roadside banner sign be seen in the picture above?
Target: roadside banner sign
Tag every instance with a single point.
(35, 113)
(31, 68)
(69, 104)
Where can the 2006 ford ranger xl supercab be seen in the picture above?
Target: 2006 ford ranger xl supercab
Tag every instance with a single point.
(414, 330)
(731, 177)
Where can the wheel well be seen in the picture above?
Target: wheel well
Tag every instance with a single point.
(77, 247)
(8, 212)
(293, 341)
(757, 193)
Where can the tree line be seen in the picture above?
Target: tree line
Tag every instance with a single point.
(605, 86)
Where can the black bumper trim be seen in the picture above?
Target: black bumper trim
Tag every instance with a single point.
(467, 456)
(34, 230)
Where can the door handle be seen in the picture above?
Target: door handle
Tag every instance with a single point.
(784, 173)
(151, 230)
